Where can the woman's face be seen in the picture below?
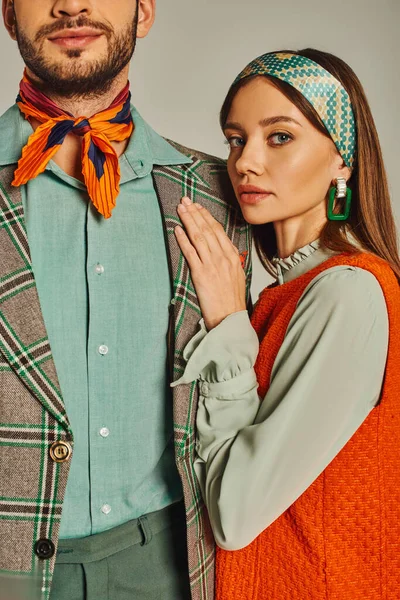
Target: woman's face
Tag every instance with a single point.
(280, 165)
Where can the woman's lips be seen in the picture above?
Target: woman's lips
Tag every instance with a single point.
(250, 194)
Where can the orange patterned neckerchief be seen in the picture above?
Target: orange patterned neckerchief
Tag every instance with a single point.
(100, 165)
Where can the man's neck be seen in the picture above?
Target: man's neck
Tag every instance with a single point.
(90, 104)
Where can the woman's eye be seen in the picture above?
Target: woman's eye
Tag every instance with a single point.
(280, 139)
(235, 142)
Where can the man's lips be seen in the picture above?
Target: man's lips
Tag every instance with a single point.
(75, 38)
(251, 194)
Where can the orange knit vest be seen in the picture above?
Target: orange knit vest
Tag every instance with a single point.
(341, 539)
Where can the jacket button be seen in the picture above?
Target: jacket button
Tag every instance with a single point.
(44, 549)
(60, 452)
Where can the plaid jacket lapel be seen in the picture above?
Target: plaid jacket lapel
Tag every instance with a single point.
(205, 181)
(23, 339)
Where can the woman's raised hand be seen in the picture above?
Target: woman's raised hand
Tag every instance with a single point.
(214, 263)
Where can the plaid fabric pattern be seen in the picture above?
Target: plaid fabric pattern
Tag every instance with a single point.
(323, 91)
(205, 181)
(32, 413)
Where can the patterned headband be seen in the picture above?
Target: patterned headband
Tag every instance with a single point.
(323, 91)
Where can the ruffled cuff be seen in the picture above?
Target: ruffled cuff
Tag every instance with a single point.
(227, 351)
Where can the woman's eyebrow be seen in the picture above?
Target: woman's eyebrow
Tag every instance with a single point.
(233, 125)
(264, 122)
(278, 119)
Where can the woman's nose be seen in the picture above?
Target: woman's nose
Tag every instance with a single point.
(250, 161)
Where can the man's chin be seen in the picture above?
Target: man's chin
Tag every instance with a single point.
(68, 65)
(70, 69)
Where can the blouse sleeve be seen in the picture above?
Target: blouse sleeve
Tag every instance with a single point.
(255, 459)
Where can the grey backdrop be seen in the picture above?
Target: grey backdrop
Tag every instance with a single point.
(181, 72)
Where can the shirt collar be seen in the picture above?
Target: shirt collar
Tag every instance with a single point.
(11, 123)
(302, 260)
(145, 149)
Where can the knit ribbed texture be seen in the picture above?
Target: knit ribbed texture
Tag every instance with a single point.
(341, 539)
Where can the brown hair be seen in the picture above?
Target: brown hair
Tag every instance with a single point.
(371, 222)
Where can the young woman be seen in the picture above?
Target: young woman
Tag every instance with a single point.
(298, 452)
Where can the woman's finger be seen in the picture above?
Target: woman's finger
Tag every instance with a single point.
(226, 244)
(199, 232)
(188, 250)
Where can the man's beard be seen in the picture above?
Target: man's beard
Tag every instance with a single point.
(71, 79)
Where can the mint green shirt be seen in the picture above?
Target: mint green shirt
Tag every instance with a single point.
(105, 291)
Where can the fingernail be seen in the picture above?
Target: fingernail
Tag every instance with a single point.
(199, 206)
(182, 208)
(186, 201)
(178, 230)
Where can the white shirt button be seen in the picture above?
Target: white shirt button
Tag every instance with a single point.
(104, 432)
(103, 350)
(99, 269)
(106, 509)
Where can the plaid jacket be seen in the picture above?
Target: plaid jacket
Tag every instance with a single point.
(32, 412)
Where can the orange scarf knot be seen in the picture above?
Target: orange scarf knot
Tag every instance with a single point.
(100, 164)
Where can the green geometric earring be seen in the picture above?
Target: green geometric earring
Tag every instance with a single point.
(340, 191)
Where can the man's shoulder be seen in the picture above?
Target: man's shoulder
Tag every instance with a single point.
(207, 177)
(199, 155)
(206, 180)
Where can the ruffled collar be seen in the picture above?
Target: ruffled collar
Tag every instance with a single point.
(301, 261)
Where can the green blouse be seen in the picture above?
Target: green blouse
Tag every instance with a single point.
(255, 459)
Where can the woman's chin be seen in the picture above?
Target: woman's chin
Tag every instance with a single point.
(251, 217)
